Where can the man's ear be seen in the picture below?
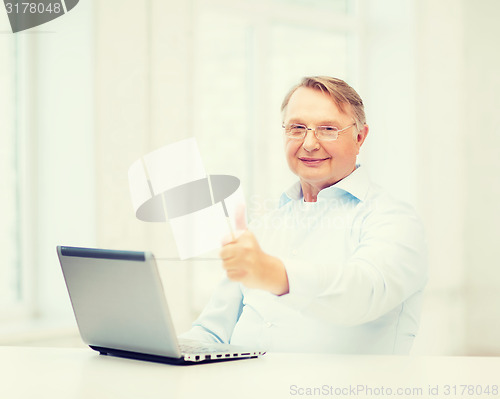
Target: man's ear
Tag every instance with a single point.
(361, 136)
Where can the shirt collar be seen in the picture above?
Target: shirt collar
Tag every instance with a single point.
(356, 184)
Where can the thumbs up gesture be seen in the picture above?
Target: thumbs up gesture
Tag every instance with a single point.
(245, 262)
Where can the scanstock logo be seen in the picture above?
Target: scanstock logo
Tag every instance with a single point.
(28, 14)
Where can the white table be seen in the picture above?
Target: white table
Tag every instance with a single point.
(54, 373)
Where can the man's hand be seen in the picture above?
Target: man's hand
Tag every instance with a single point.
(245, 262)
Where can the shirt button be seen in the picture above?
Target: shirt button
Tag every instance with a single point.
(269, 324)
(295, 252)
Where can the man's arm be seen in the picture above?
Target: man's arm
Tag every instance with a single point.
(387, 267)
(218, 318)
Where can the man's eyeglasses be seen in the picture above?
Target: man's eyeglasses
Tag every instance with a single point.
(327, 133)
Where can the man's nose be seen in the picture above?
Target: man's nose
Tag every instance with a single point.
(311, 142)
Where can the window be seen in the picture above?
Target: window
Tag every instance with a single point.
(46, 163)
(11, 282)
(247, 55)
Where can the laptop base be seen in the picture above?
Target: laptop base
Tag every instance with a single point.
(159, 359)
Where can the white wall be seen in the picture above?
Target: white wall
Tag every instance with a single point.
(481, 173)
(439, 103)
(388, 87)
(458, 163)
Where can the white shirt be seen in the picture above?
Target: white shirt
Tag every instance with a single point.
(356, 266)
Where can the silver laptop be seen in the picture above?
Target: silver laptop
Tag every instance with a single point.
(121, 309)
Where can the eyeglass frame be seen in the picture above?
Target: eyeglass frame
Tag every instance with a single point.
(314, 130)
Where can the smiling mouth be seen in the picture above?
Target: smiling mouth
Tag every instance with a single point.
(312, 161)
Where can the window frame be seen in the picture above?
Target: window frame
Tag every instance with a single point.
(25, 147)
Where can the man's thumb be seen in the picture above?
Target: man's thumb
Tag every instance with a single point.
(241, 217)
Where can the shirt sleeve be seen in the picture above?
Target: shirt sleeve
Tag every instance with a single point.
(217, 320)
(387, 266)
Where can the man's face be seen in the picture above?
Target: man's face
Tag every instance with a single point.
(320, 163)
